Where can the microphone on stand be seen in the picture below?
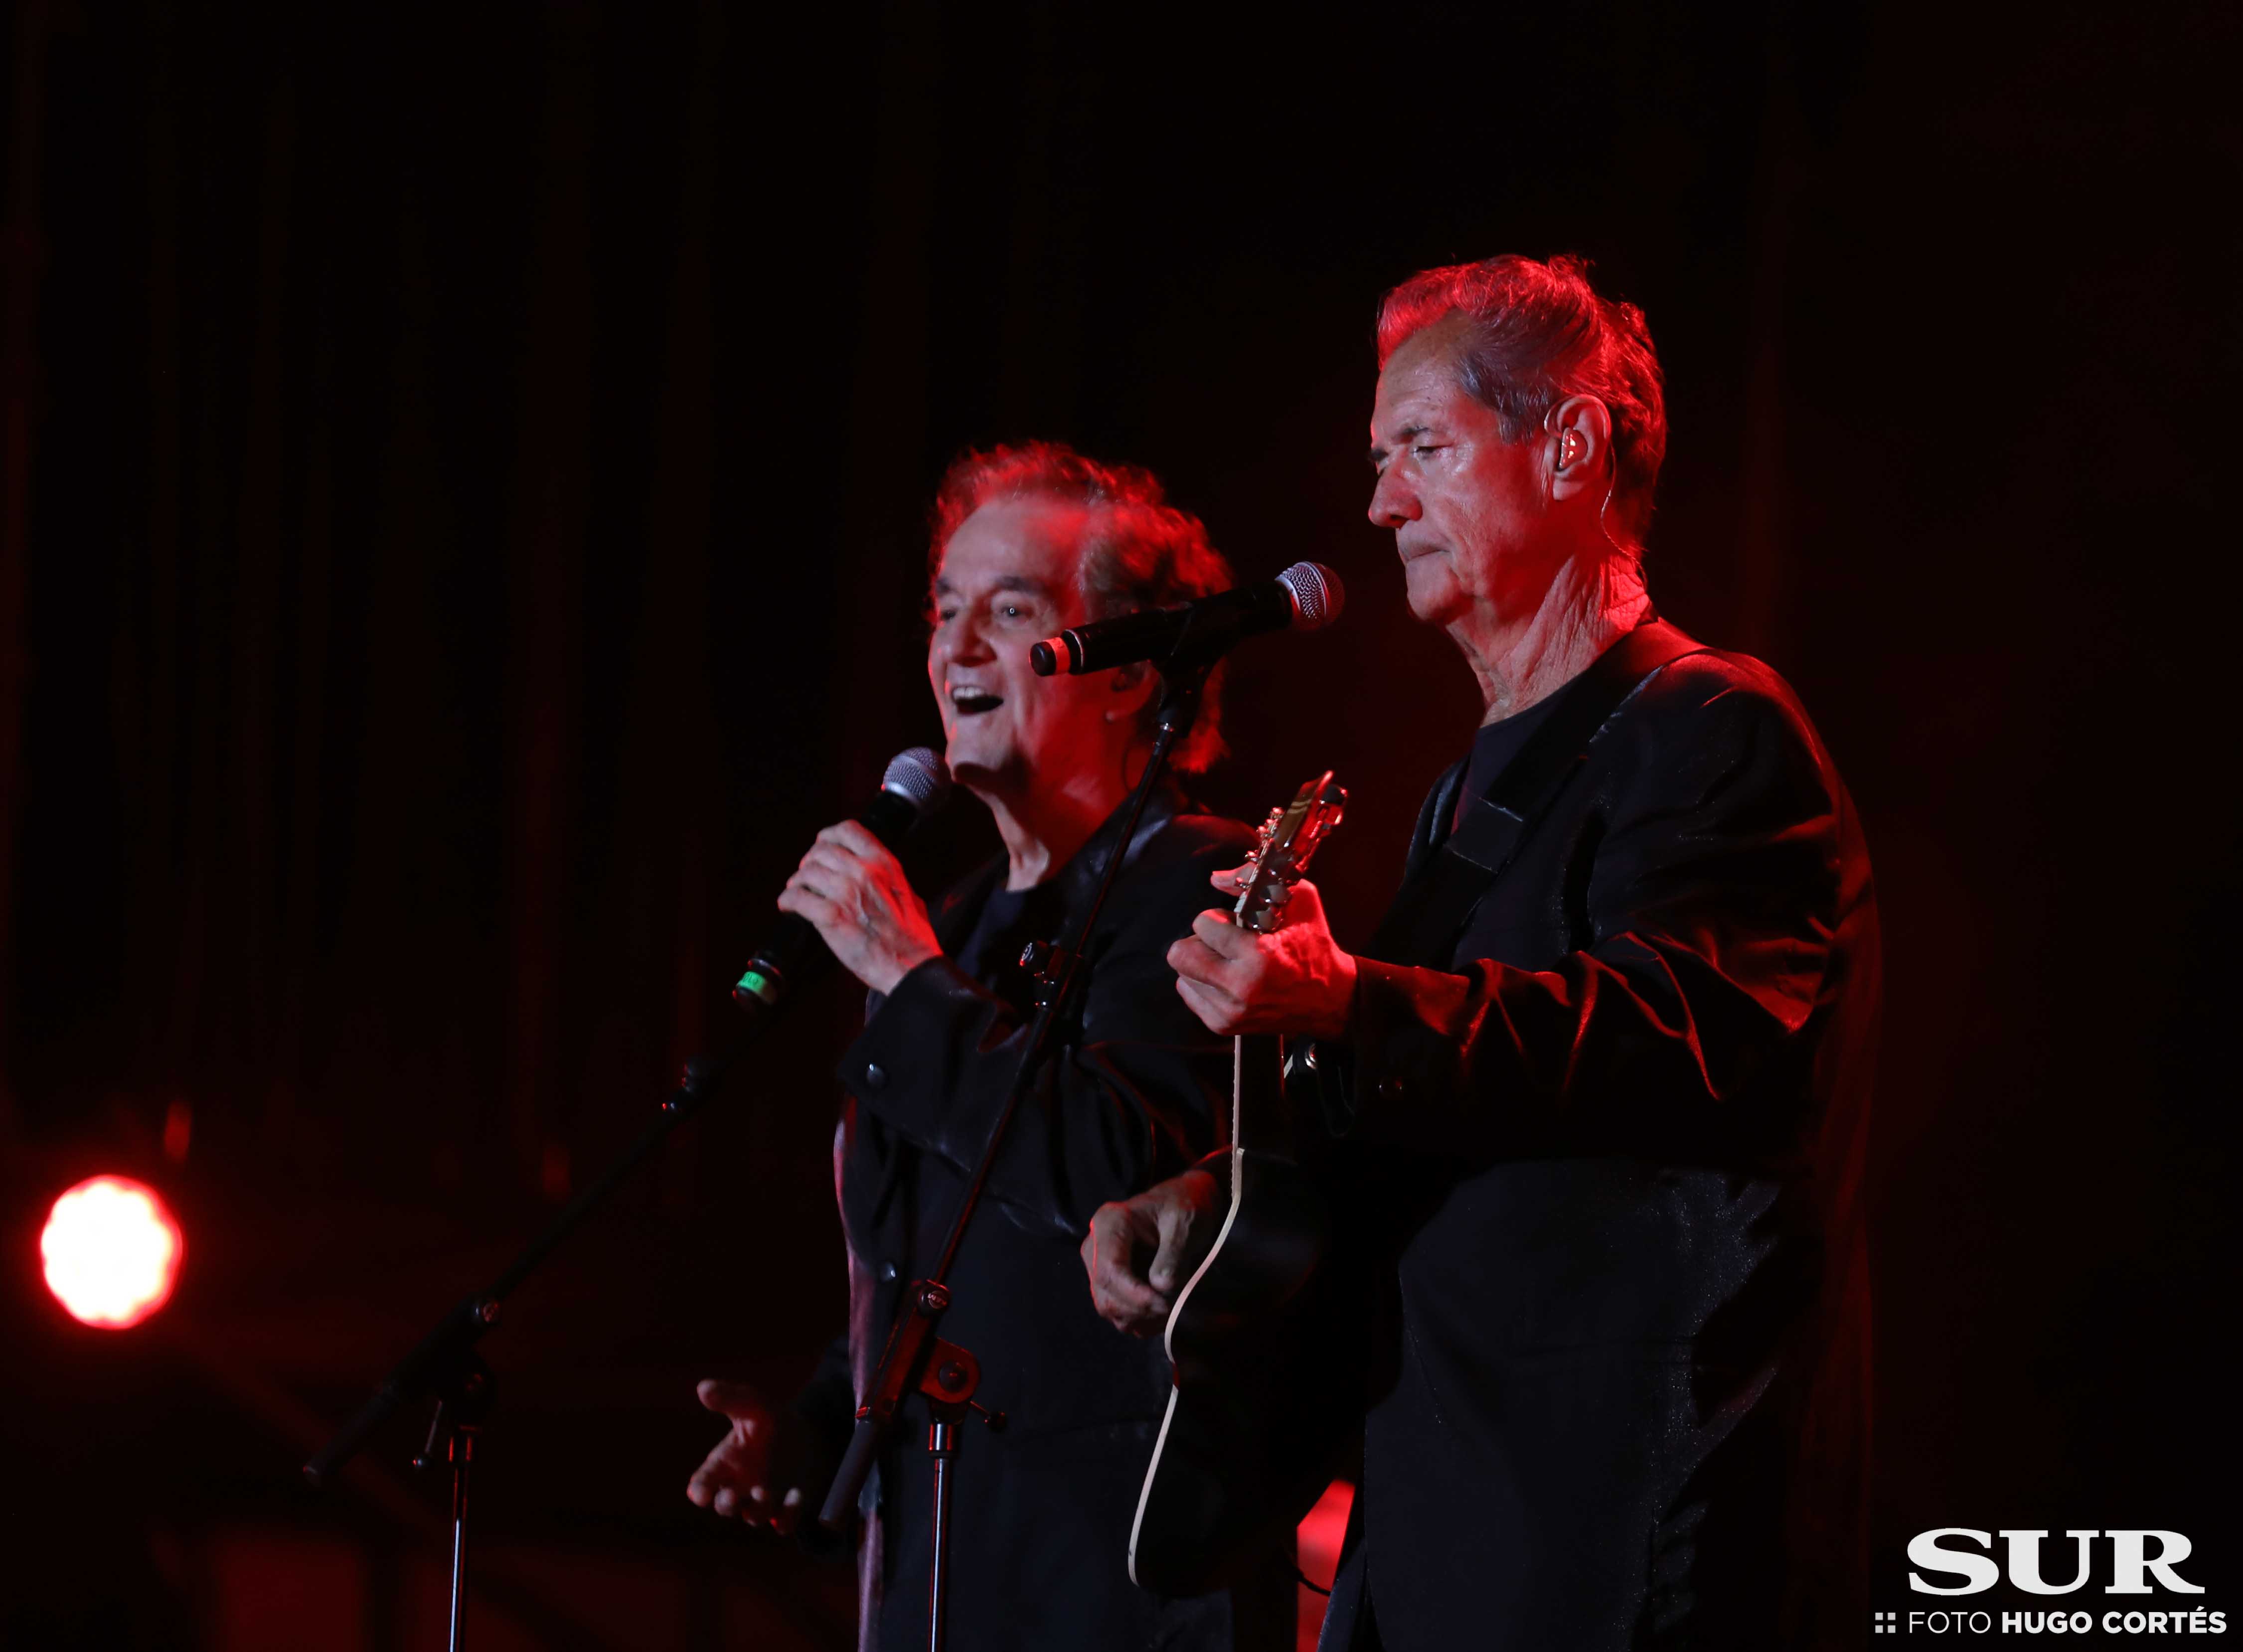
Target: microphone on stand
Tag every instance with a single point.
(915, 785)
(1307, 596)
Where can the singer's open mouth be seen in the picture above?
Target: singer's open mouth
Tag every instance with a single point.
(972, 702)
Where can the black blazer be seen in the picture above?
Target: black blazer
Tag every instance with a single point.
(1605, 1134)
(1042, 1510)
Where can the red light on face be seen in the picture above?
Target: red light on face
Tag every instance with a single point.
(111, 1252)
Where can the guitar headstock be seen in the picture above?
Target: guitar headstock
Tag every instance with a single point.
(1288, 840)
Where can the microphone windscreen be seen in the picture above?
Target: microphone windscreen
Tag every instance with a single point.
(920, 777)
(1317, 594)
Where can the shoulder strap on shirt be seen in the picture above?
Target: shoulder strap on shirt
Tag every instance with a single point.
(1434, 906)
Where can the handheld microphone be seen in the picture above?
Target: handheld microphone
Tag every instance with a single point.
(1307, 596)
(915, 785)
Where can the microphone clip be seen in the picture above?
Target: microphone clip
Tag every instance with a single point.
(1047, 962)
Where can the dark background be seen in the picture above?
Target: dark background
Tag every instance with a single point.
(464, 485)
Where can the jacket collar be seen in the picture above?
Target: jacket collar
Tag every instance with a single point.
(1077, 880)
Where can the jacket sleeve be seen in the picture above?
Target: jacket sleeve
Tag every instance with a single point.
(1129, 1094)
(826, 1404)
(1710, 903)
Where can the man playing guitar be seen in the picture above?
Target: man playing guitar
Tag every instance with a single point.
(1595, 1092)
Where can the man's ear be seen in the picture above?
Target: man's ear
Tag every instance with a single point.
(1135, 682)
(1579, 446)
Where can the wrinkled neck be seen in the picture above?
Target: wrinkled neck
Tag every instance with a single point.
(1045, 826)
(1523, 660)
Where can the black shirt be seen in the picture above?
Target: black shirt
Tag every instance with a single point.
(1009, 921)
(1495, 745)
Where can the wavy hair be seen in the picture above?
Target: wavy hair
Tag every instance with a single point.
(1141, 551)
(1538, 333)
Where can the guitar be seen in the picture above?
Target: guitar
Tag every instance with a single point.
(1243, 1451)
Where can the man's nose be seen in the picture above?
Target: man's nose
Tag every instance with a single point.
(1392, 502)
(962, 639)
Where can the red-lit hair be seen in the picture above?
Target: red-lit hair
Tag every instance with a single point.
(1539, 333)
(1141, 552)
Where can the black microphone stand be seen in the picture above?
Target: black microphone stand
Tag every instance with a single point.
(445, 1367)
(917, 1360)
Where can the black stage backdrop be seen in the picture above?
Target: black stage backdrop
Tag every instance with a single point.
(464, 486)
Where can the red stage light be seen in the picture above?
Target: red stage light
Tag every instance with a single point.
(111, 1252)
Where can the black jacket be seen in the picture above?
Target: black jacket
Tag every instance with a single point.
(1041, 1510)
(1607, 1134)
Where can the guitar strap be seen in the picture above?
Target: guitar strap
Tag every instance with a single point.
(1432, 908)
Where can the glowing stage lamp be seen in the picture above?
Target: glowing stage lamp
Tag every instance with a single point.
(111, 1252)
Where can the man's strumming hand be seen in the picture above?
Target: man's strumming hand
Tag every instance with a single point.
(1139, 1250)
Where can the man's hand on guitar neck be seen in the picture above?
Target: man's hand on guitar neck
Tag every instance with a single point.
(1295, 981)
(1140, 1251)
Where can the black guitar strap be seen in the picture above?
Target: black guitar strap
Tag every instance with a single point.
(1430, 911)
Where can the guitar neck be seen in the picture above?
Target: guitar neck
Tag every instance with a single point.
(1258, 1116)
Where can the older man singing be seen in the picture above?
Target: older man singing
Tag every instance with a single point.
(1028, 541)
(1598, 1084)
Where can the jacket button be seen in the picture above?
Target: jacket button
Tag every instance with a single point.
(876, 1076)
(887, 1273)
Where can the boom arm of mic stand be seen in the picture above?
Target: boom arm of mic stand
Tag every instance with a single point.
(442, 1357)
(898, 1375)
(439, 1360)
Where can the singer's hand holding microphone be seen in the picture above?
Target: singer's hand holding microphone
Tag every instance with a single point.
(854, 892)
(850, 899)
